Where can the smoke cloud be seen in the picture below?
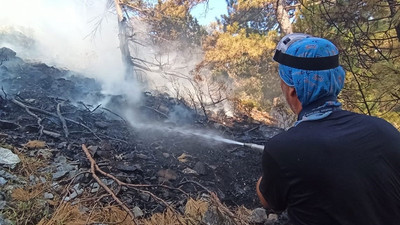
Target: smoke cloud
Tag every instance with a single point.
(82, 35)
(74, 34)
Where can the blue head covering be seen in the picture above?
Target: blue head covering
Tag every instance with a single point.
(316, 87)
(311, 85)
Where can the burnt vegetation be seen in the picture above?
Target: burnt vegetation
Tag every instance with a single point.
(91, 149)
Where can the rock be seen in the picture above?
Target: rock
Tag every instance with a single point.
(93, 149)
(95, 187)
(3, 181)
(62, 170)
(76, 191)
(258, 216)
(42, 180)
(107, 182)
(272, 219)
(7, 175)
(189, 171)
(59, 174)
(166, 175)
(8, 158)
(200, 168)
(48, 195)
(137, 212)
(166, 155)
(33, 179)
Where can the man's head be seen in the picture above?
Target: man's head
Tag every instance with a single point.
(309, 69)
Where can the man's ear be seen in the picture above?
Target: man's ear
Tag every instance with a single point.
(292, 92)
(294, 101)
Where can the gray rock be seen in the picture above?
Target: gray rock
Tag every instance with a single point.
(166, 155)
(95, 187)
(272, 219)
(107, 182)
(3, 181)
(48, 195)
(62, 170)
(258, 216)
(42, 180)
(33, 179)
(76, 191)
(8, 158)
(93, 149)
(137, 212)
(7, 175)
(200, 168)
(59, 174)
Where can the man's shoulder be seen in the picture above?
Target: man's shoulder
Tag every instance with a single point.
(308, 132)
(372, 122)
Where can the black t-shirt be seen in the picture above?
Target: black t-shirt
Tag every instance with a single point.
(343, 169)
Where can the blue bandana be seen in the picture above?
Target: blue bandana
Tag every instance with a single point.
(314, 85)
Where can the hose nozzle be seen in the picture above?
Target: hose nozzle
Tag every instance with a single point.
(254, 146)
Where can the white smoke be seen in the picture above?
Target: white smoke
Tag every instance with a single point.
(62, 35)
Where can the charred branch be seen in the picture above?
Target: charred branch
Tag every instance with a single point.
(62, 120)
(54, 115)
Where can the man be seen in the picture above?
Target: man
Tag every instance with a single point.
(333, 166)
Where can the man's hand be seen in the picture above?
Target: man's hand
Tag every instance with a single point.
(260, 196)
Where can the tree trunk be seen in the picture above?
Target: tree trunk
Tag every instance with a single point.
(123, 42)
(283, 17)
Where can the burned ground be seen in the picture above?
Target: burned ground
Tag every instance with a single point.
(37, 100)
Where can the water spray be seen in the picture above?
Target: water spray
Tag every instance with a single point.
(201, 134)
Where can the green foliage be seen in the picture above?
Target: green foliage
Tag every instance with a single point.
(241, 45)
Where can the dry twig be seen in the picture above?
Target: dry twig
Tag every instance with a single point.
(93, 166)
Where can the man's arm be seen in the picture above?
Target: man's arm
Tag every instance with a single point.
(260, 195)
(272, 187)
